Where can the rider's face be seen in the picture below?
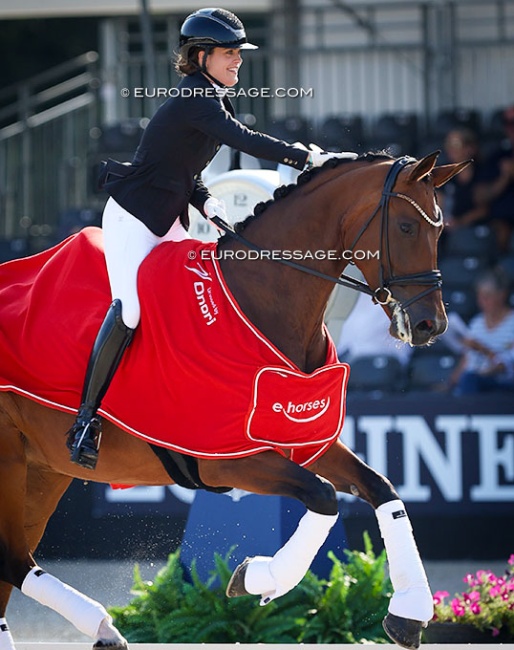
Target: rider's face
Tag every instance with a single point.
(223, 64)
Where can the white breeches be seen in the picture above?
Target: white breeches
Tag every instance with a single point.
(127, 241)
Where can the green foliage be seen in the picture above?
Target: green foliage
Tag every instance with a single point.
(354, 600)
(348, 608)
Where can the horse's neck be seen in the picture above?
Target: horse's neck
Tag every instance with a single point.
(285, 304)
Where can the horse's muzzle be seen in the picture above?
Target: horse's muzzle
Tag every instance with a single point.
(418, 324)
(426, 330)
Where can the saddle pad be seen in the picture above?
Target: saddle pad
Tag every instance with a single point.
(186, 380)
(292, 408)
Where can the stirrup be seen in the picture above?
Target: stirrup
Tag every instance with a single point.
(84, 450)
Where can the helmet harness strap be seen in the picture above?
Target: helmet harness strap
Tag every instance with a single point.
(202, 65)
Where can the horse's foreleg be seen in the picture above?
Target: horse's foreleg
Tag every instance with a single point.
(272, 474)
(411, 606)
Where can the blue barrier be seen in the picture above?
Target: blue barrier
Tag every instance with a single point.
(254, 525)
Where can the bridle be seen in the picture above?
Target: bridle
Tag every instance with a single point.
(431, 279)
(383, 294)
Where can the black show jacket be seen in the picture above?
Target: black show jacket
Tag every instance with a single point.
(177, 144)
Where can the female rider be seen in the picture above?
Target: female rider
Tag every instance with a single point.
(149, 198)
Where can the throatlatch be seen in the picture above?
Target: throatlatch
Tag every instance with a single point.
(111, 342)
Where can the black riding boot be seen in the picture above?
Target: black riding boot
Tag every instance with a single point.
(111, 342)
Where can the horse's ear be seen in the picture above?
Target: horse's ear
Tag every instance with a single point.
(443, 173)
(424, 167)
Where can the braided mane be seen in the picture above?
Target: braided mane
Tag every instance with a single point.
(306, 176)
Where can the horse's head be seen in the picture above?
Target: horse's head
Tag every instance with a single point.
(399, 232)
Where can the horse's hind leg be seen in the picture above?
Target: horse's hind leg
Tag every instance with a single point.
(270, 473)
(44, 489)
(14, 552)
(411, 606)
(28, 499)
(6, 640)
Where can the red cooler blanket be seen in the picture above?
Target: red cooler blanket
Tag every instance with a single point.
(198, 377)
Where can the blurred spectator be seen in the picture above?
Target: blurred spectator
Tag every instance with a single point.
(366, 333)
(457, 196)
(488, 363)
(496, 192)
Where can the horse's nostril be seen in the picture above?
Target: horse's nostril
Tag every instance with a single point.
(426, 326)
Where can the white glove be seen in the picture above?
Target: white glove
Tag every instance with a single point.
(318, 157)
(215, 208)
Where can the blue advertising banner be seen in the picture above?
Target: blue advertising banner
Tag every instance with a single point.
(446, 457)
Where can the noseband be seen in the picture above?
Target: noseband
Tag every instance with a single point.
(383, 295)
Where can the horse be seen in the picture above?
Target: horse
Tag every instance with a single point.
(372, 203)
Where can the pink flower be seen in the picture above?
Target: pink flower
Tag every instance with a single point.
(475, 608)
(482, 574)
(511, 560)
(458, 608)
(495, 591)
(471, 580)
(492, 579)
(471, 596)
(439, 596)
(496, 631)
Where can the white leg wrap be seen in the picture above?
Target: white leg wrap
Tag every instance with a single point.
(6, 640)
(274, 577)
(83, 612)
(412, 597)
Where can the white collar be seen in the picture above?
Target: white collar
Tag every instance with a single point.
(220, 90)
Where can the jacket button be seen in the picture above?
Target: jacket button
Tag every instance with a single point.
(195, 177)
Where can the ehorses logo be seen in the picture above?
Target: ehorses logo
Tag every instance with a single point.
(295, 409)
(319, 406)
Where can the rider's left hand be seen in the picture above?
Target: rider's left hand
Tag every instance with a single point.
(318, 157)
(215, 208)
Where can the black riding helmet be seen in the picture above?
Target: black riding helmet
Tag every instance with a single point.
(209, 28)
(216, 27)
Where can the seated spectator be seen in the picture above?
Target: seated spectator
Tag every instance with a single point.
(496, 189)
(488, 362)
(457, 196)
(366, 333)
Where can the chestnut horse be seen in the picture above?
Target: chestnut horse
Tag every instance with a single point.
(373, 203)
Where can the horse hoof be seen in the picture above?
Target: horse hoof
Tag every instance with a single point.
(405, 632)
(236, 585)
(113, 645)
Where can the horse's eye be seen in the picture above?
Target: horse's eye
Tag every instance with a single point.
(406, 228)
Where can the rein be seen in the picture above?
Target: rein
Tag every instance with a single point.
(432, 279)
